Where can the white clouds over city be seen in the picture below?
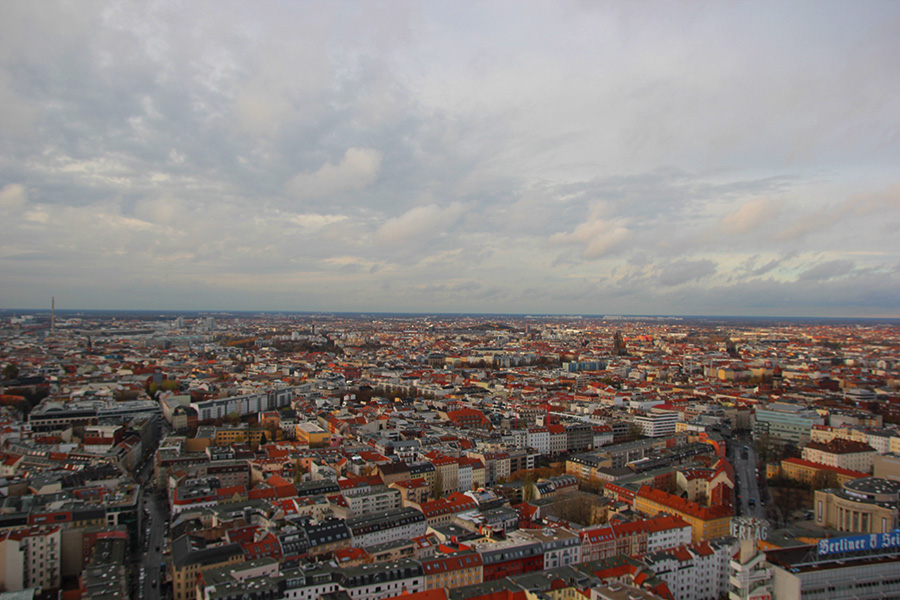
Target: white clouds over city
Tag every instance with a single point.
(540, 157)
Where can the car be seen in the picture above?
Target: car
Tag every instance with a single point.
(157, 548)
(752, 502)
(153, 583)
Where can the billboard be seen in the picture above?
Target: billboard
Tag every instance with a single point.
(860, 543)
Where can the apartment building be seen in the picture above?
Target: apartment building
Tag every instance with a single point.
(30, 558)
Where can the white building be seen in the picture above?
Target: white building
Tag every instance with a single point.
(539, 439)
(561, 547)
(399, 524)
(667, 532)
(698, 571)
(375, 500)
(603, 435)
(558, 439)
(657, 423)
(464, 477)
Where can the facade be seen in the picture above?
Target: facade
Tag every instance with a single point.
(787, 422)
(867, 505)
(750, 576)
(580, 437)
(191, 557)
(699, 571)
(841, 454)
(247, 404)
(561, 547)
(378, 499)
(657, 423)
(398, 524)
(706, 522)
(801, 573)
(812, 473)
(448, 571)
(539, 439)
(30, 558)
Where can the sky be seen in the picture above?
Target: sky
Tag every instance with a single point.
(563, 157)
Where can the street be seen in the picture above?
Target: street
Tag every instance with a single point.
(745, 471)
(154, 539)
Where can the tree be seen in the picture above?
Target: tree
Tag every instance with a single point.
(635, 432)
(438, 485)
(11, 371)
(784, 502)
(826, 480)
(263, 440)
(528, 490)
(298, 471)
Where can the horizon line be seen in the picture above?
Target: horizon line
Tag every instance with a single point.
(439, 313)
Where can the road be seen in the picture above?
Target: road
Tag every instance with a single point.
(746, 472)
(153, 537)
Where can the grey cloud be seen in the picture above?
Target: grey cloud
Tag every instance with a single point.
(684, 271)
(827, 270)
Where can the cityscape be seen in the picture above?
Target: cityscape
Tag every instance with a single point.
(506, 300)
(268, 456)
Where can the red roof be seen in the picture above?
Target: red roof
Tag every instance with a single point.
(821, 467)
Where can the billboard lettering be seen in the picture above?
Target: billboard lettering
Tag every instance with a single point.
(860, 543)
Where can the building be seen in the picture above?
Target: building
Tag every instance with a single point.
(30, 558)
(247, 404)
(377, 499)
(191, 556)
(448, 571)
(750, 577)
(514, 555)
(657, 423)
(787, 422)
(814, 474)
(392, 525)
(580, 437)
(698, 571)
(706, 522)
(560, 546)
(539, 439)
(312, 434)
(837, 569)
(866, 505)
(841, 454)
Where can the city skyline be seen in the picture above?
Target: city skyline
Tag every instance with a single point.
(718, 159)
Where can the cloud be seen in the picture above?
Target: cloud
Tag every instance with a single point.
(13, 197)
(597, 237)
(311, 222)
(357, 170)
(683, 271)
(827, 270)
(748, 217)
(206, 148)
(419, 223)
